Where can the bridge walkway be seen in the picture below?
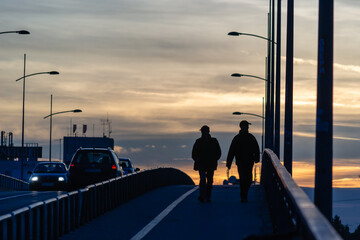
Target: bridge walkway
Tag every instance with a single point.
(224, 218)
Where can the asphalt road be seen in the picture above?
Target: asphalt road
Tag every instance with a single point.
(12, 200)
(175, 213)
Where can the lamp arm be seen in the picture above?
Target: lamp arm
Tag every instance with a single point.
(256, 115)
(246, 75)
(258, 36)
(31, 75)
(57, 113)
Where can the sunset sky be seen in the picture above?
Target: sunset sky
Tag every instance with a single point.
(161, 69)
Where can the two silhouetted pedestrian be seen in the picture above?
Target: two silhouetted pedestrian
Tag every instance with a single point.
(245, 149)
(206, 152)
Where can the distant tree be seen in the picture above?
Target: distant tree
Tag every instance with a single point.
(342, 229)
(355, 235)
(357, 230)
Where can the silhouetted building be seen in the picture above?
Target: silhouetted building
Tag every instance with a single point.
(30, 152)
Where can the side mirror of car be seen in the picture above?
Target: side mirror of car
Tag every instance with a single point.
(137, 169)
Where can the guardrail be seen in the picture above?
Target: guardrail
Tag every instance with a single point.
(292, 212)
(55, 217)
(10, 183)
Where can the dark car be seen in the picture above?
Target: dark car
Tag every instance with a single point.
(93, 165)
(127, 166)
(49, 176)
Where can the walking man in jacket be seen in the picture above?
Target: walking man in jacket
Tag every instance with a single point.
(245, 149)
(206, 152)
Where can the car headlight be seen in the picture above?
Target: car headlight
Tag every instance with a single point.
(61, 179)
(34, 179)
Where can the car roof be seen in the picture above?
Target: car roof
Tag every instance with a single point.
(51, 163)
(97, 149)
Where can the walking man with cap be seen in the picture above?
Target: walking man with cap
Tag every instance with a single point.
(206, 152)
(245, 149)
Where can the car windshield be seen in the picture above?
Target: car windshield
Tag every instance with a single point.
(90, 157)
(50, 168)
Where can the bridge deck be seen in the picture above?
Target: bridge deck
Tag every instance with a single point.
(224, 218)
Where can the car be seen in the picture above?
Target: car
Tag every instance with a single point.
(49, 176)
(93, 165)
(127, 166)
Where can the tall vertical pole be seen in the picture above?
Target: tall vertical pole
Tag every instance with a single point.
(288, 135)
(272, 38)
(23, 123)
(262, 126)
(324, 110)
(278, 81)
(50, 127)
(268, 142)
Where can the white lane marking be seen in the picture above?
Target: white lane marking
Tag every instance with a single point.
(161, 216)
(21, 195)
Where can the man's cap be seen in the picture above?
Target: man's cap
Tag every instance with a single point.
(205, 128)
(244, 123)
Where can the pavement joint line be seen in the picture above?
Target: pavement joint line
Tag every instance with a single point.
(162, 215)
(21, 195)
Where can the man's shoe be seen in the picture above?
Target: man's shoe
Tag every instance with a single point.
(201, 199)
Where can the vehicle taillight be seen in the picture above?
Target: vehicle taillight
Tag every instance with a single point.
(72, 165)
(113, 167)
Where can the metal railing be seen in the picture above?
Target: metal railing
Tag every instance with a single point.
(55, 217)
(292, 211)
(10, 183)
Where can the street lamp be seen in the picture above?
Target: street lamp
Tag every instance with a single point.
(249, 34)
(22, 32)
(246, 75)
(52, 114)
(51, 73)
(252, 114)
(23, 109)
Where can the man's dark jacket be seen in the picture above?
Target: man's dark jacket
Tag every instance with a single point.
(245, 149)
(206, 152)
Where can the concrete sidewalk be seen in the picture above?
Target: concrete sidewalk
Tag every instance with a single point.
(224, 218)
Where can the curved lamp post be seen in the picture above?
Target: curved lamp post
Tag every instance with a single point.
(243, 113)
(51, 73)
(22, 32)
(74, 111)
(23, 109)
(249, 34)
(52, 114)
(246, 75)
